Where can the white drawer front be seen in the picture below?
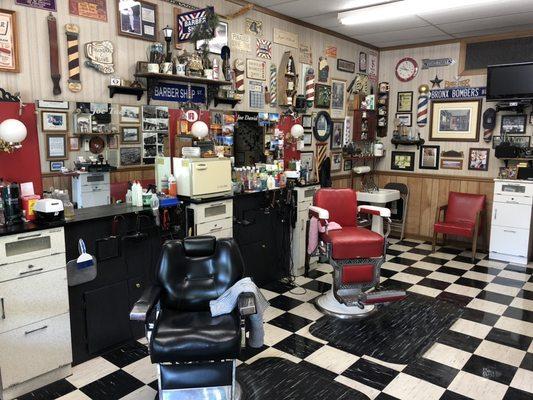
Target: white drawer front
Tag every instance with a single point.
(214, 227)
(30, 267)
(27, 246)
(212, 211)
(512, 241)
(34, 298)
(225, 233)
(511, 215)
(34, 350)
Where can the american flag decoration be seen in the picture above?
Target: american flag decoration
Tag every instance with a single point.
(273, 85)
(310, 87)
(264, 49)
(188, 21)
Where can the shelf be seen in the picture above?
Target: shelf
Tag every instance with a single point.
(126, 90)
(222, 100)
(407, 142)
(181, 78)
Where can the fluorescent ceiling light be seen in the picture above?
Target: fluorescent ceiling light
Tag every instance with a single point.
(401, 9)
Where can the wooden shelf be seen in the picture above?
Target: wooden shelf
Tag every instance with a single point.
(133, 91)
(222, 100)
(182, 78)
(407, 142)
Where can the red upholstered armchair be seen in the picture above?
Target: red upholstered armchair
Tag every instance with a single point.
(462, 217)
(355, 253)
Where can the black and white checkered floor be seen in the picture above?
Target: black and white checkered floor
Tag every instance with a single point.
(487, 353)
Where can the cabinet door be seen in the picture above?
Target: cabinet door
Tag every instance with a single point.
(34, 298)
(511, 215)
(34, 350)
(512, 241)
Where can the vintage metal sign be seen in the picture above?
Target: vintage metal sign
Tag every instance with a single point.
(458, 93)
(241, 42)
(264, 49)
(179, 93)
(100, 56)
(49, 5)
(285, 38)
(188, 21)
(437, 62)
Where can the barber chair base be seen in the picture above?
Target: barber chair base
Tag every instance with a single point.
(329, 305)
(219, 393)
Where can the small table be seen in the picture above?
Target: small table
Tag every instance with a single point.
(379, 199)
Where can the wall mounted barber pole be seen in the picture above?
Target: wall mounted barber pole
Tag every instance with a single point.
(273, 85)
(74, 82)
(239, 78)
(422, 110)
(310, 87)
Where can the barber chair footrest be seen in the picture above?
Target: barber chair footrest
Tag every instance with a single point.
(385, 296)
(328, 304)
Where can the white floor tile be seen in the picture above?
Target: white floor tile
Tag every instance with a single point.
(515, 325)
(487, 306)
(366, 390)
(425, 265)
(426, 291)
(459, 265)
(523, 380)
(528, 286)
(394, 267)
(407, 278)
(298, 294)
(143, 370)
(463, 290)
(407, 387)
(268, 294)
(444, 256)
(400, 247)
(272, 352)
(301, 280)
(502, 289)
(332, 359)
(514, 275)
(478, 276)
(307, 310)
(471, 328)
(524, 304)
(271, 313)
(501, 353)
(143, 393)
(447, 355)
(91, 371)
(75, 395)
(273, 334)
(413, 256)
(305, 333)
(328, 278)
(492, 263)
(440, 276)
(477, 387)
(396, 367)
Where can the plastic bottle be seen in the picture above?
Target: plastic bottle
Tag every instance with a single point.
(134, 194)
(216, 69)
(271, 182)
(172, 186)
(154, 202)
(128, 197)
(139, 194)
(164, 184)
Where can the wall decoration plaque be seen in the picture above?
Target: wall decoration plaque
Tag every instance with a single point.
(338, 98)
(49, 5)
(345, 66)
(263, 49)
(322, 96)
(362, 61)
(285, 38)
(437, 62)
(93, 9)
(323, 70)
(458, 93)
(8, 42)
(255, 69)
(331, 51)
(188, 21)
(306, 55)
(55, 71)
(100, 56)
(138, 21)
(241, 42)
(254, 26)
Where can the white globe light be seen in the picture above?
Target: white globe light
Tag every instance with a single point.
(297, 131)
(13, 131)
(199, 129)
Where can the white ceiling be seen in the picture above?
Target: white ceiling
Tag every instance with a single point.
(499, 17)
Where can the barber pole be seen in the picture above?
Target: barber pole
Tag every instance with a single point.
(239, 79)
(310, 87)
(72, 31)
(273, 85)
(422, 115)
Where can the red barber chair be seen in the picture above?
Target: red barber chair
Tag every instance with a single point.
(355, 253)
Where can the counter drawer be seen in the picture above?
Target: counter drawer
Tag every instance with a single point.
(214, 227)
(34, 298)
(512, 241)
(27, 246)
(31, 267)
(212, 211)
(34, 350)
(511, 215)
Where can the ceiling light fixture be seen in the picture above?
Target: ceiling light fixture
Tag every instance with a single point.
(401, 9)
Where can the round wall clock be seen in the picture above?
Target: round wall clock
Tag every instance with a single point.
(406, 69)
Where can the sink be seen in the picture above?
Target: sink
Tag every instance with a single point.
(381, 197)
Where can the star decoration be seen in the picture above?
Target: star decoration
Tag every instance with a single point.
(436, 81)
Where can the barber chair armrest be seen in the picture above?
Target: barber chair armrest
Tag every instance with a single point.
(144, 306)
(246, 304)
(374, 210)
(317, 212)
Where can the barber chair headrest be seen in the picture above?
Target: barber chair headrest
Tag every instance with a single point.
(199, 246)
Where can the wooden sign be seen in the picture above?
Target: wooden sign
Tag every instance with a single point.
(331, 51)
(254, 26)
(436, 62)
(306, 55)
(48, 5)
(8, 42)
(285, 38)
(241, 42)
(93, 9)
(255, 69)
(100, 56)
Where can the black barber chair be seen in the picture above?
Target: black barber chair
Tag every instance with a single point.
(196, 353)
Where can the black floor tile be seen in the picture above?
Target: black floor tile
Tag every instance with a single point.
(154, 385)
(486, 270)
(290, 322)
(495, 297)
(402, 261)
(51, 391)
(471, 283)
(112, 386)
(393, 252)
(282, 287)
(314, 273)
(508, 282)
(322, 371)
(423, 252)
(317, 286)
(450, 250)
(434, 283)
(519, 268)
(518, 313)
(127, 354)
(451, 271)
(387, 273)
(417, 271)
(449, 395)
(249, 352)
(434, 260)
(370, 374)
(458, 299)
(527, 362)
(385, 396)
(431, 371)
(480, 316)
(408, 243)
(460, 341)
(510, 339)
(466, 260)
(525, 294)
(490, 369)
(298, 346)
(517, 394)
(284, 303)
(392, 284)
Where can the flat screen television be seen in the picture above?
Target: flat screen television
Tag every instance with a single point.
(510, 82)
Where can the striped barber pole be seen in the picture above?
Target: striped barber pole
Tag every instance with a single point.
(310, 87)
(422, 114)
(74, 82)
(188, 21)
(239, 80)
(273, 85)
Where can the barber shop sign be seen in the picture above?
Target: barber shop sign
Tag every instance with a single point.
(179, 93)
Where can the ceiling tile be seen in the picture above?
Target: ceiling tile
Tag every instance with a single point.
(325, 21)
(493, 31)
(406, 34)
(501, 21)
(392, 42)
(312, 8)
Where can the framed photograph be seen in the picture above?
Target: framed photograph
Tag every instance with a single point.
(348, 164)
(307, 121)
(56, 146)
(73, 144)
(322, 95)
(56, 121)
(455, 121)
(307, 160)
(429, 157)
(9, 56)
(55, 166)
(508, 172)
(82, 123)
(513, 124)
(155, 118)
(403, 161)
(345, 66)
(53, 104)
(112, 142)
(218, 41)
(337, 135)
(362, 61)
(138, 20)
(48, 5)
(336, 161)
(405, 118)
(518, 141)
(338, 98)
(129, 135)
(405, 102)
(255, 69)
(93, 9)
(308, 138)
(130, 114)
(451, 163)
(130, 156)
(478, 159)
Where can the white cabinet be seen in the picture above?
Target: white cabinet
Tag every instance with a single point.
(304, 199)
(211, 219)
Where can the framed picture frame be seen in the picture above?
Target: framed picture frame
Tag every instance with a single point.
(336, 161)
(218, 41)
(308, 139)
(405, 118)
(55, 166)
(337, 136)
(513, 124)
(429, 157)
(478, 159)
(112, 142)
(307, 160)
(403, 160)
(9, 39)
(255, 69)
(363, 58)
(348, 164)
(130, 135)
(322, 95)
(338, 98)
(54, 121)
(130, 156)
(307, 121)
(130, 114)
(140, 21)
(404, 103)
(518, 141)
(451, 163)
(345, 66)
(92, 9)
(56, 146)
(73, 144)
(83, 123)
(53, 105)
(455, 121)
